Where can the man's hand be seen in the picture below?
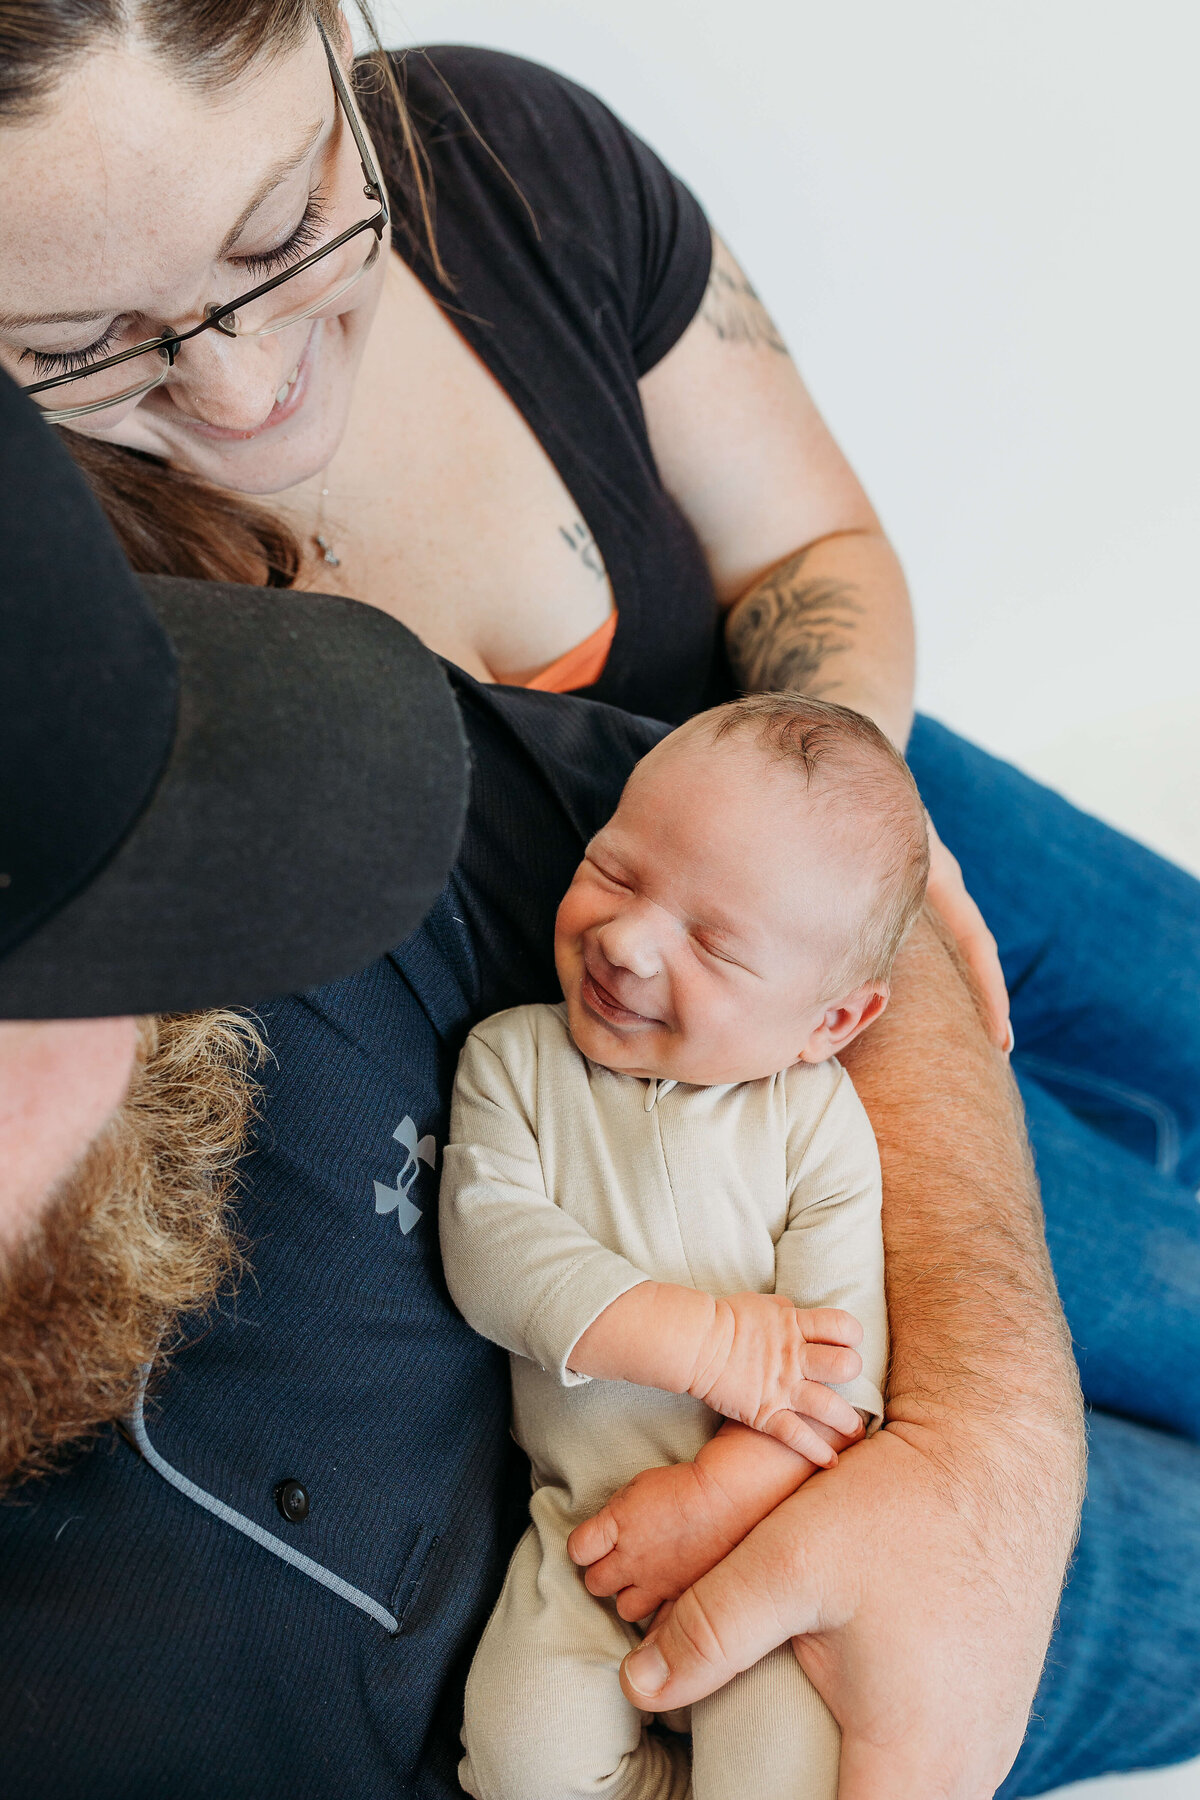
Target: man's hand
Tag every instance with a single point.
(765, 1363)
(920, 1622)
(947, 894)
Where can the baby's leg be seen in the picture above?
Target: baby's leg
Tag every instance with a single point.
(545, 1718)
(768, 1732)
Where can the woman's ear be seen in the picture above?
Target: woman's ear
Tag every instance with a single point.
(842, 1020)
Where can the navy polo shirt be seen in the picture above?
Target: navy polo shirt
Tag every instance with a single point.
(165, 1629)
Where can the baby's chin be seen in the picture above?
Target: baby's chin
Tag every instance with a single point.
(639, 1056)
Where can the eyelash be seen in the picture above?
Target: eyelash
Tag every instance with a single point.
(68, 362)
(303, 238)
(267, 262)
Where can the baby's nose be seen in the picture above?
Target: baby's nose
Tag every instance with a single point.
(629, 946)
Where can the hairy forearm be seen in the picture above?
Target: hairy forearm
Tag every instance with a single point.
(979, 1343)
(834, 621)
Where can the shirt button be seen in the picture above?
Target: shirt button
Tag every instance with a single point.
(291, 1497)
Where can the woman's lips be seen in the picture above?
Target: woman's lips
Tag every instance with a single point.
(279, 413)
(606, 1006)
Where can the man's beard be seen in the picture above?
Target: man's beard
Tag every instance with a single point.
(139, 1235)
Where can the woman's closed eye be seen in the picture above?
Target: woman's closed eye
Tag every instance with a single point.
(70, 362)
(305, 237)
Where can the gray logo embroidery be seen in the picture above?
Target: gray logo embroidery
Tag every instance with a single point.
(418, 1151)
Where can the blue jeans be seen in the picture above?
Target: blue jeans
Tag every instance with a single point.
(1100, 941)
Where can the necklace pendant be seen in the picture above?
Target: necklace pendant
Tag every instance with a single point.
(327, 551)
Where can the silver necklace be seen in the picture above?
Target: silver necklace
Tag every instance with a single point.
(323, 543)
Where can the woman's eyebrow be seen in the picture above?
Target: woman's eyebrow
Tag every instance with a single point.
(275, 174)
(18, 321)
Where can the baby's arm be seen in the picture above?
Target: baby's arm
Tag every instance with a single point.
(671, 1525)
(521, 1270)
(755, 1358)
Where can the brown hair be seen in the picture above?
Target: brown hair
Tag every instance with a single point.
(842, 754)
(170, 522)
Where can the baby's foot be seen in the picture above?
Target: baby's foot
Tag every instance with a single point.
(657, 1536)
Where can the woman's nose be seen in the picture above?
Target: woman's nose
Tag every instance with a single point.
(232, 383)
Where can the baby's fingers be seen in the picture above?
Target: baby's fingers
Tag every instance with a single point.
(821, 1404)
(799, 1436)
(829, 1362)
(829, 1325)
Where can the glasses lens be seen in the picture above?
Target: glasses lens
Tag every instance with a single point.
(93, 388)
(309, 292)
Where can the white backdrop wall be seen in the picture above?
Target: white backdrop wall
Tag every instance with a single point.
(977, 230)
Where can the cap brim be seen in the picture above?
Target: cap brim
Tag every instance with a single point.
(307, 818)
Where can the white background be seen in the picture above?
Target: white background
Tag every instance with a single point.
(977, 229)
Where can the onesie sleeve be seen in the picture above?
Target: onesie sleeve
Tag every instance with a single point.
(521, 1271)
(831, 1250)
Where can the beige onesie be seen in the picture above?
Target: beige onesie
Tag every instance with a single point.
(563, 1186)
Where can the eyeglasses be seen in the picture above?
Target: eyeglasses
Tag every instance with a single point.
(296, 293)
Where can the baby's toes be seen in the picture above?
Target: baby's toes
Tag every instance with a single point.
(635, 1604)
(594, 1538)
(606, 1577)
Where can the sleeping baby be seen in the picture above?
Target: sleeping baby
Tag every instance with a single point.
(662, 1196)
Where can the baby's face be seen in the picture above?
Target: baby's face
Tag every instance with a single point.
(697, 939)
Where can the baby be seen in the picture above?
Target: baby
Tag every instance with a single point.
(659, 1197)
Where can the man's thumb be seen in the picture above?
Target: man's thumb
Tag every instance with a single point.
(722, 1625)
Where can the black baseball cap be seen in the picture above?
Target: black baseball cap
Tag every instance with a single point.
(209, 794)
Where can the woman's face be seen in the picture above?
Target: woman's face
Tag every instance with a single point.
(131, 202)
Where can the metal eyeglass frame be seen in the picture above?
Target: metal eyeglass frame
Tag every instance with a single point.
(168, 345)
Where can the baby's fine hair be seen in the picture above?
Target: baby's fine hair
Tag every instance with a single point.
(846, 761)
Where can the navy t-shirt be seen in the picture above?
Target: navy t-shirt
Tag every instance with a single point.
(164, 1630)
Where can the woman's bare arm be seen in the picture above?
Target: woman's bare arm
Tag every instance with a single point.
(815, 593)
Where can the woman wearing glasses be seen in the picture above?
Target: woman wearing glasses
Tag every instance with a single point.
(478, 360)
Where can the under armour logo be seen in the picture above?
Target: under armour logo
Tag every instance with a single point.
(396, 1199)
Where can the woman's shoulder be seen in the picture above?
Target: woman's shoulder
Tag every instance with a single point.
(510, 101)
(541, 167)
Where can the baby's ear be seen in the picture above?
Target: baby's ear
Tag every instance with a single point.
(842, 1020)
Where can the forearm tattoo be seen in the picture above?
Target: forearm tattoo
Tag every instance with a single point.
(786, 632)
(732, 308)
(580, 540)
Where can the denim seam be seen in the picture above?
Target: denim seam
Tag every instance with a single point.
(1165, 1121)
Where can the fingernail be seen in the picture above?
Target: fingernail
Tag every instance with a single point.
(647, 1670)
(1010, 1042)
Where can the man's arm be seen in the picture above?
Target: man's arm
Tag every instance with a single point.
(920, 1578)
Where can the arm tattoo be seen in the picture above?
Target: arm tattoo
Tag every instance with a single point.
(580, 540)
(784, 633)
(732, 308)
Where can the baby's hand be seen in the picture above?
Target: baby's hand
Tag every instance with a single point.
(766, 1363)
